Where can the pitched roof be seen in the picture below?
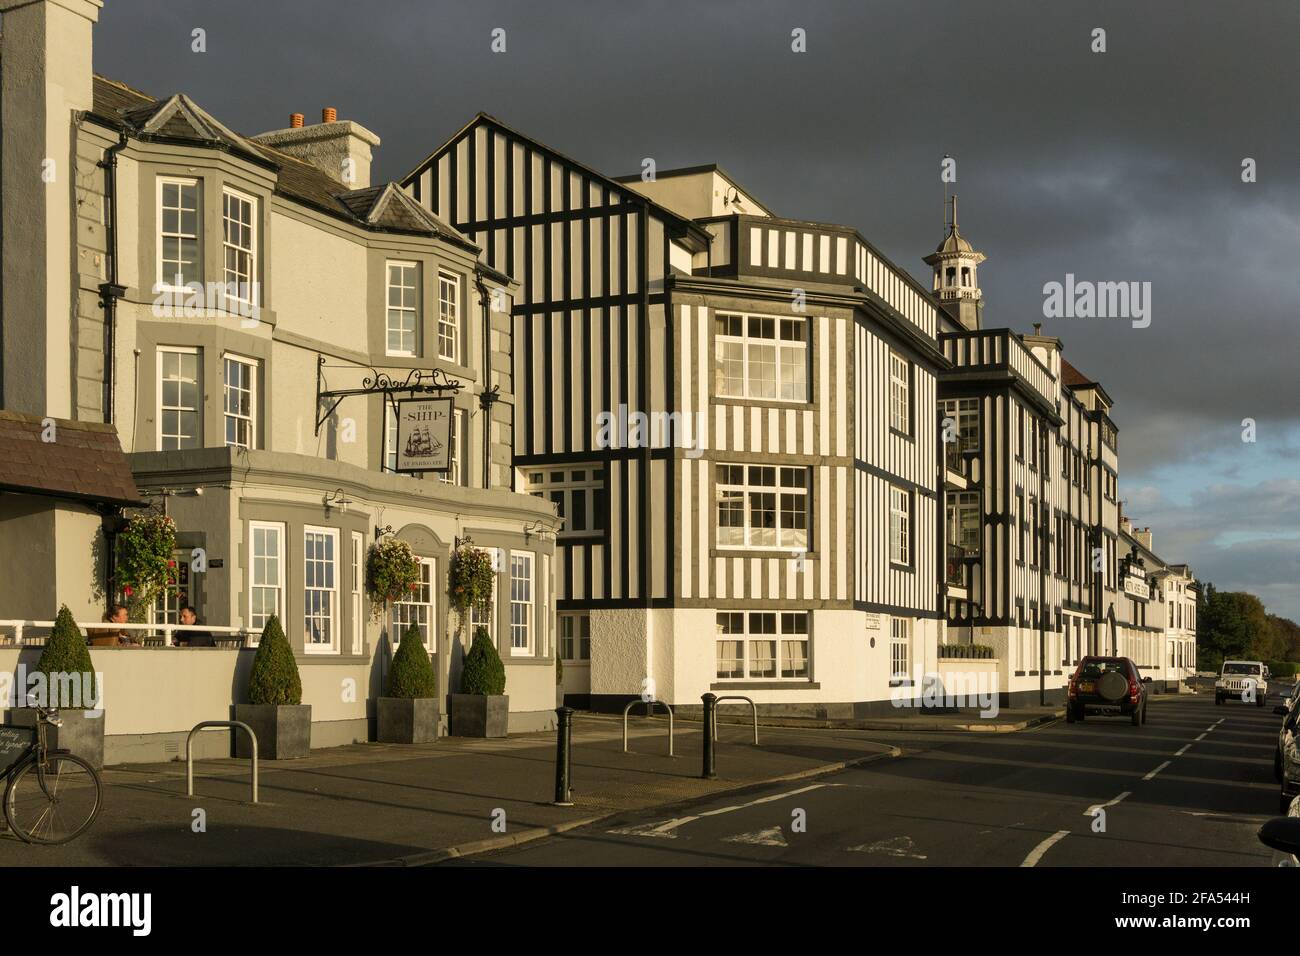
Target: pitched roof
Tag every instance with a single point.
(180, 118)
(1072, 376)
(84, 462)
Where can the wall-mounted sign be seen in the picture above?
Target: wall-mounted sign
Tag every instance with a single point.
(1136, 587)
(871, 621)
(424, 434)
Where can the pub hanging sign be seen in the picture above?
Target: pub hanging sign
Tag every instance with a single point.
(424, 434)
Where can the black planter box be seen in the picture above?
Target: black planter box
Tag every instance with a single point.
(406, 720)
(82, 735)
(480, 715)
(283, 730)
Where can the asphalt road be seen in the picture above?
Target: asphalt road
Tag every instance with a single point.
(1190, 788)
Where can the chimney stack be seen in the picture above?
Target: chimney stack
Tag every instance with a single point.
(339, 148)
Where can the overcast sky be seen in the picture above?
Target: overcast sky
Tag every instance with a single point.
(1116, 166)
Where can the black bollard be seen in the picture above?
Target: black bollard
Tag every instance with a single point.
(710, 717)
(563, 733)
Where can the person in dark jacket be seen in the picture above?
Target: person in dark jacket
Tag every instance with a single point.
(190, 617)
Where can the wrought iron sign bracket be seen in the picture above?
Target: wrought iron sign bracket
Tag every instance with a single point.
(380, 382)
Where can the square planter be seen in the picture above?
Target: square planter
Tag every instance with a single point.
(406, 720)
(283, 730)
(81, 734)
(480, 715)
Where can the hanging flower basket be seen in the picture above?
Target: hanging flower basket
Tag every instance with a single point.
(145, 567)
(392, 574)
(470, 580)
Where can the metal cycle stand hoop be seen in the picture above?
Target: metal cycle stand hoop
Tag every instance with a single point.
(752, 707)
(189, 751)
(649, 712)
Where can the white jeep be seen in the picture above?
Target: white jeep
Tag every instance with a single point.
(1242, 680)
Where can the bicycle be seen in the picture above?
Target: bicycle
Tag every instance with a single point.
(58, 801)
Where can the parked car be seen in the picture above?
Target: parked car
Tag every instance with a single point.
(1242, 680)
(1283, 835)
(1289, 748)
(1107, 686)
(1285, 708)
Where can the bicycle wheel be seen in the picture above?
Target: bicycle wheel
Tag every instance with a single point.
(56, 806)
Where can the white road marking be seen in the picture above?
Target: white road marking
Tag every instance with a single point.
(1156, 771)
(664, 830)
(1182, 750)
(772, 837)
(1109, 803)
(1037, 853)
(1201, 737)
(895, 846)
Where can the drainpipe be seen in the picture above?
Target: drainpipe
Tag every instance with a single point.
(112, 290)
(490, 395)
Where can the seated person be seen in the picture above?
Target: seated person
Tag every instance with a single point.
(190, 617)
(112, 636)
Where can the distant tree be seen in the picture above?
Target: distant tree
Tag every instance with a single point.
(1287, 634)
(1234, 624)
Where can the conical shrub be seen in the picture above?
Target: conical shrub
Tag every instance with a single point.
(412, 673)
(274, 678)
(483, 672)
(65, 662)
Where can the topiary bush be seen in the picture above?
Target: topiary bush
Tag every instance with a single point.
(274, 678)
(65, 654)
(412, 673)
(483, 672)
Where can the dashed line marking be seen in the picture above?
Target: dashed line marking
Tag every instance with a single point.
(1201, 737)
(1156, 771)
(1182, 750)
(1037, 852)
(1109, 803)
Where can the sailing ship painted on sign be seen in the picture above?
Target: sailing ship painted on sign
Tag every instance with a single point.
(424, 434)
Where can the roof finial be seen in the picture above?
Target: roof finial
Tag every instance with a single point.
(954, 212)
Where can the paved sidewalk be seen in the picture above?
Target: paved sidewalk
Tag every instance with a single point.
(957, 720)
(379, 803)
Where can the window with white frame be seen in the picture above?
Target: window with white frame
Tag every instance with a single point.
(403, 316)
(521, 602)
(900, 648)
(179, 399)
(416, 610)
(240, 401)
(457, 474)
(900, 402)
(762, 645)
(900, 526)
(575, 636)
(761, 356)
(449, 316)
(762, 506)
(320, 548)
(578, 493)
(180, 245)
(239, 237)
(966, 422)
(358, 578)
(265, 573)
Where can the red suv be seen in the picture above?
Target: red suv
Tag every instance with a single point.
(1107, 686)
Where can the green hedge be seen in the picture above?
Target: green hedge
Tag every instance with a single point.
(483, 672)
(966, 651)
(1283, 668)
(65, 653)
(412, 674)
(274, 678)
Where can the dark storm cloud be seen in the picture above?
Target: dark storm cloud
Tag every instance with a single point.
(1116, 166)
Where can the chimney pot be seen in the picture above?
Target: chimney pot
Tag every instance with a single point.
(329, 115)
(295, 120)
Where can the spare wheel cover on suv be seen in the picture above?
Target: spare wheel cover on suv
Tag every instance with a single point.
(1112, 685)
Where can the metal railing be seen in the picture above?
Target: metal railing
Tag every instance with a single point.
(189, 751)
(954, 454)
(753, 708)
(649, 710)
(151, 635)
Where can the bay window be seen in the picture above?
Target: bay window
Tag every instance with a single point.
(762, 506)
(758, 356)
